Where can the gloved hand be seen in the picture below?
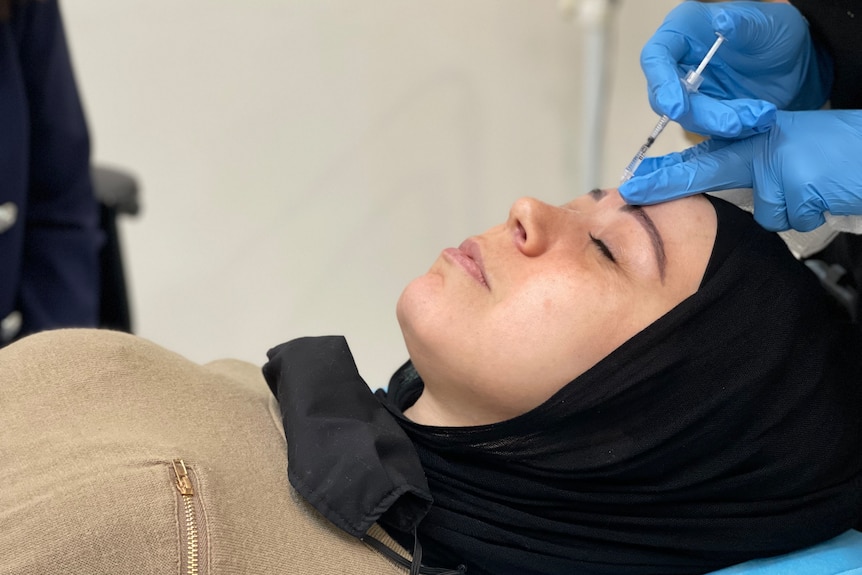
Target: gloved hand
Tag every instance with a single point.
(767, 55)
(808, 163)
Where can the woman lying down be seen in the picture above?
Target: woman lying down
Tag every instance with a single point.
(594, 388)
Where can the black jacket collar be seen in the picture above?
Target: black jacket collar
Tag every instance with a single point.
(347, 455)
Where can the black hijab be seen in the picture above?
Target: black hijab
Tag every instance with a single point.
(729, 429)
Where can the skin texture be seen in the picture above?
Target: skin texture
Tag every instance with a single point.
(499, 325)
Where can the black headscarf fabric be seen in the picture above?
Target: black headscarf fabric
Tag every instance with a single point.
(729, 429)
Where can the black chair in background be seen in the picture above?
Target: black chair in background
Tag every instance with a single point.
(117, 192)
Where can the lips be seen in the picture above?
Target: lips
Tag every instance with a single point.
(469, 257)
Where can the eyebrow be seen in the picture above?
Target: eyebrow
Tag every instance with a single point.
(643, 218)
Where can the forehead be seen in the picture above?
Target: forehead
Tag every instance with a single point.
(688, 226)
(594, 196)
(672, 218)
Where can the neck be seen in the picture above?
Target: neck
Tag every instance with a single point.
(430, 410)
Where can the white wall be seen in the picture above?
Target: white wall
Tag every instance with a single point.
(301, 161)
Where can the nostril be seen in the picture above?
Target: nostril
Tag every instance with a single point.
(520, 234)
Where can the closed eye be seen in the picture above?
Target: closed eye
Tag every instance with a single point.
(602, 247)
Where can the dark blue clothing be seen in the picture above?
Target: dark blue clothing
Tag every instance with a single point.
(49, 217)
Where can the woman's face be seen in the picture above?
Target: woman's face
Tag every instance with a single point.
(500, 324)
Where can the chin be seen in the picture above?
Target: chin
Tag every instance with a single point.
(419, 299)
(413, 311)
(420, 317)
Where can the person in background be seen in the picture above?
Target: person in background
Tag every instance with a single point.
(49, 218)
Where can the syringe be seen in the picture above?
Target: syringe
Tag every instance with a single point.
(692, 82)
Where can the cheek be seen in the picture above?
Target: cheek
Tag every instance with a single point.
(516, 350)
(550, 334)
(555, 324)
(538, 347)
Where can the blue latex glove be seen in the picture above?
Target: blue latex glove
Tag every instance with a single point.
(808, 163)
(767, 55)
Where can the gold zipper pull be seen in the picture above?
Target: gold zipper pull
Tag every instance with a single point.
(183, 483)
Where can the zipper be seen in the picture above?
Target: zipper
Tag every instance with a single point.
(191, 519)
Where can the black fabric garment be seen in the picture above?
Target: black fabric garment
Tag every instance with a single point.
(727, 430)
(347, 456)
(837, 26)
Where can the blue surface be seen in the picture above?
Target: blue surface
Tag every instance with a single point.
(839, 556)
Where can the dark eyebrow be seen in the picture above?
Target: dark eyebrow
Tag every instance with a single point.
(646, 221)
(657, 242)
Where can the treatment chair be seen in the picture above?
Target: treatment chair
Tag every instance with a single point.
(117, 192)
(839, 267)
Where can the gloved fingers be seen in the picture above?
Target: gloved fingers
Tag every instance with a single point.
(746, 28)
(771, 53)
(654, 163)
(758, 29)
(681, 41)
(727, 118)
(770, 207)
(807, 215)
(803, 176)
(709, 166)
(777, 212)
(660, 58)
(755, 116)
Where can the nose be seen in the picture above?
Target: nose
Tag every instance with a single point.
(532, 223)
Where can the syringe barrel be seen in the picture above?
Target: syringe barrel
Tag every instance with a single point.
(659, 127)
(692, 81)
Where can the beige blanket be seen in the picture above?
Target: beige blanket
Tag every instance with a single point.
(96, 429)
